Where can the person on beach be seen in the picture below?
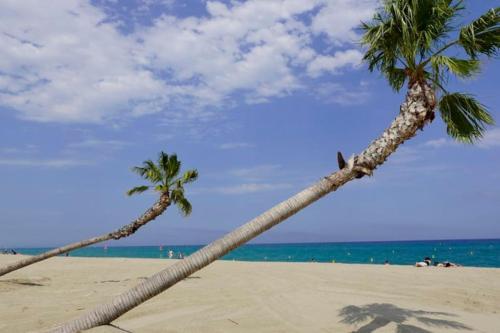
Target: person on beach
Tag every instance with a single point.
(426, 263)
(446, 264)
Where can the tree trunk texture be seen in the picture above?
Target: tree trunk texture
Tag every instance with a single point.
(415, 112)
(156, 210)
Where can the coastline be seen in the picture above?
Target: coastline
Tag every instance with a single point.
(240, 296)
(470, 253)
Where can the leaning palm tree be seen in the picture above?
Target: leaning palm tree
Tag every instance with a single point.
(164, 179)
(408, 42)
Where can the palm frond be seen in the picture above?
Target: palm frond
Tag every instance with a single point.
(177, 194)
(465, 117)
(137, 190)
(460, 67)
(161, 188)
(482, 36)
(189, 176)
(163, 161)
(395, 76)
(174, 166)
(184, 206)
(152, 172)
(140, 171)
(433, 20)
(380, 36)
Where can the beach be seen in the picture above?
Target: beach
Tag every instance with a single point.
(232, 296)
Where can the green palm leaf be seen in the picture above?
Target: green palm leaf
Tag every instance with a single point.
(459, 67)
(137, 190)
(153, 173)
(163, 162)
(184, 206)
(395, 76)
(177, 194)
(174, 166)
(464, 116)
(189, 176)
(483, 35)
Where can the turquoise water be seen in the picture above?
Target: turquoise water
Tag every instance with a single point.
(479, 253)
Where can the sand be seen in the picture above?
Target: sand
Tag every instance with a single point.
(257, 297)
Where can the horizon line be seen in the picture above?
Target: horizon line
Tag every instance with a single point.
(284, 243)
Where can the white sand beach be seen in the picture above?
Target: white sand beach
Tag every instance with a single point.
(257, 297)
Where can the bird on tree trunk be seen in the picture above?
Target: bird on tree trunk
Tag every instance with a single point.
(408, 41)
(164, 179)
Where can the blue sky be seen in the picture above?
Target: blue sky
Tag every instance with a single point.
(257, 95)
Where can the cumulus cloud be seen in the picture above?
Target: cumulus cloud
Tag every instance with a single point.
(337, 18)
(341, 59)
(71, 61)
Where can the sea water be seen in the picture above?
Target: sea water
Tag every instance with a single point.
(479, 253)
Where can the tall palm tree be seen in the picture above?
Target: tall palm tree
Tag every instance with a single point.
(164, 179)
(407, 41)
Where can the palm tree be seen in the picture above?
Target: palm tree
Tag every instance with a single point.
(164, 179)
(408, 42)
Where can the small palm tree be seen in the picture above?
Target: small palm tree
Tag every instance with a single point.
(406, 41)
(164, 177)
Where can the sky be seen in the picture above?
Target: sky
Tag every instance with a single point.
(258, 96)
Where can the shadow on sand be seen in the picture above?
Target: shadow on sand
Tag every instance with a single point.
(382, 314)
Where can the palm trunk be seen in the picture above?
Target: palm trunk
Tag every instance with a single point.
(415, 111)
(156, 210)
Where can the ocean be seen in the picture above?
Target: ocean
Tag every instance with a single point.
(478, 253)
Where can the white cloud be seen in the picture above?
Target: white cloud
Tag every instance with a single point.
(47, 163)
(96, 143)
(260, 178)
(251, 188)
(339, 94)
(25, 149)
(341, 59)
(440, 143)
(257, 172)
(491, 139)
(235, 145)
(69, 66)
(69, 61)
(406, 155)
(338, 17)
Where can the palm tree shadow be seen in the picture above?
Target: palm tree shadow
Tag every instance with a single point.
(382, 314)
